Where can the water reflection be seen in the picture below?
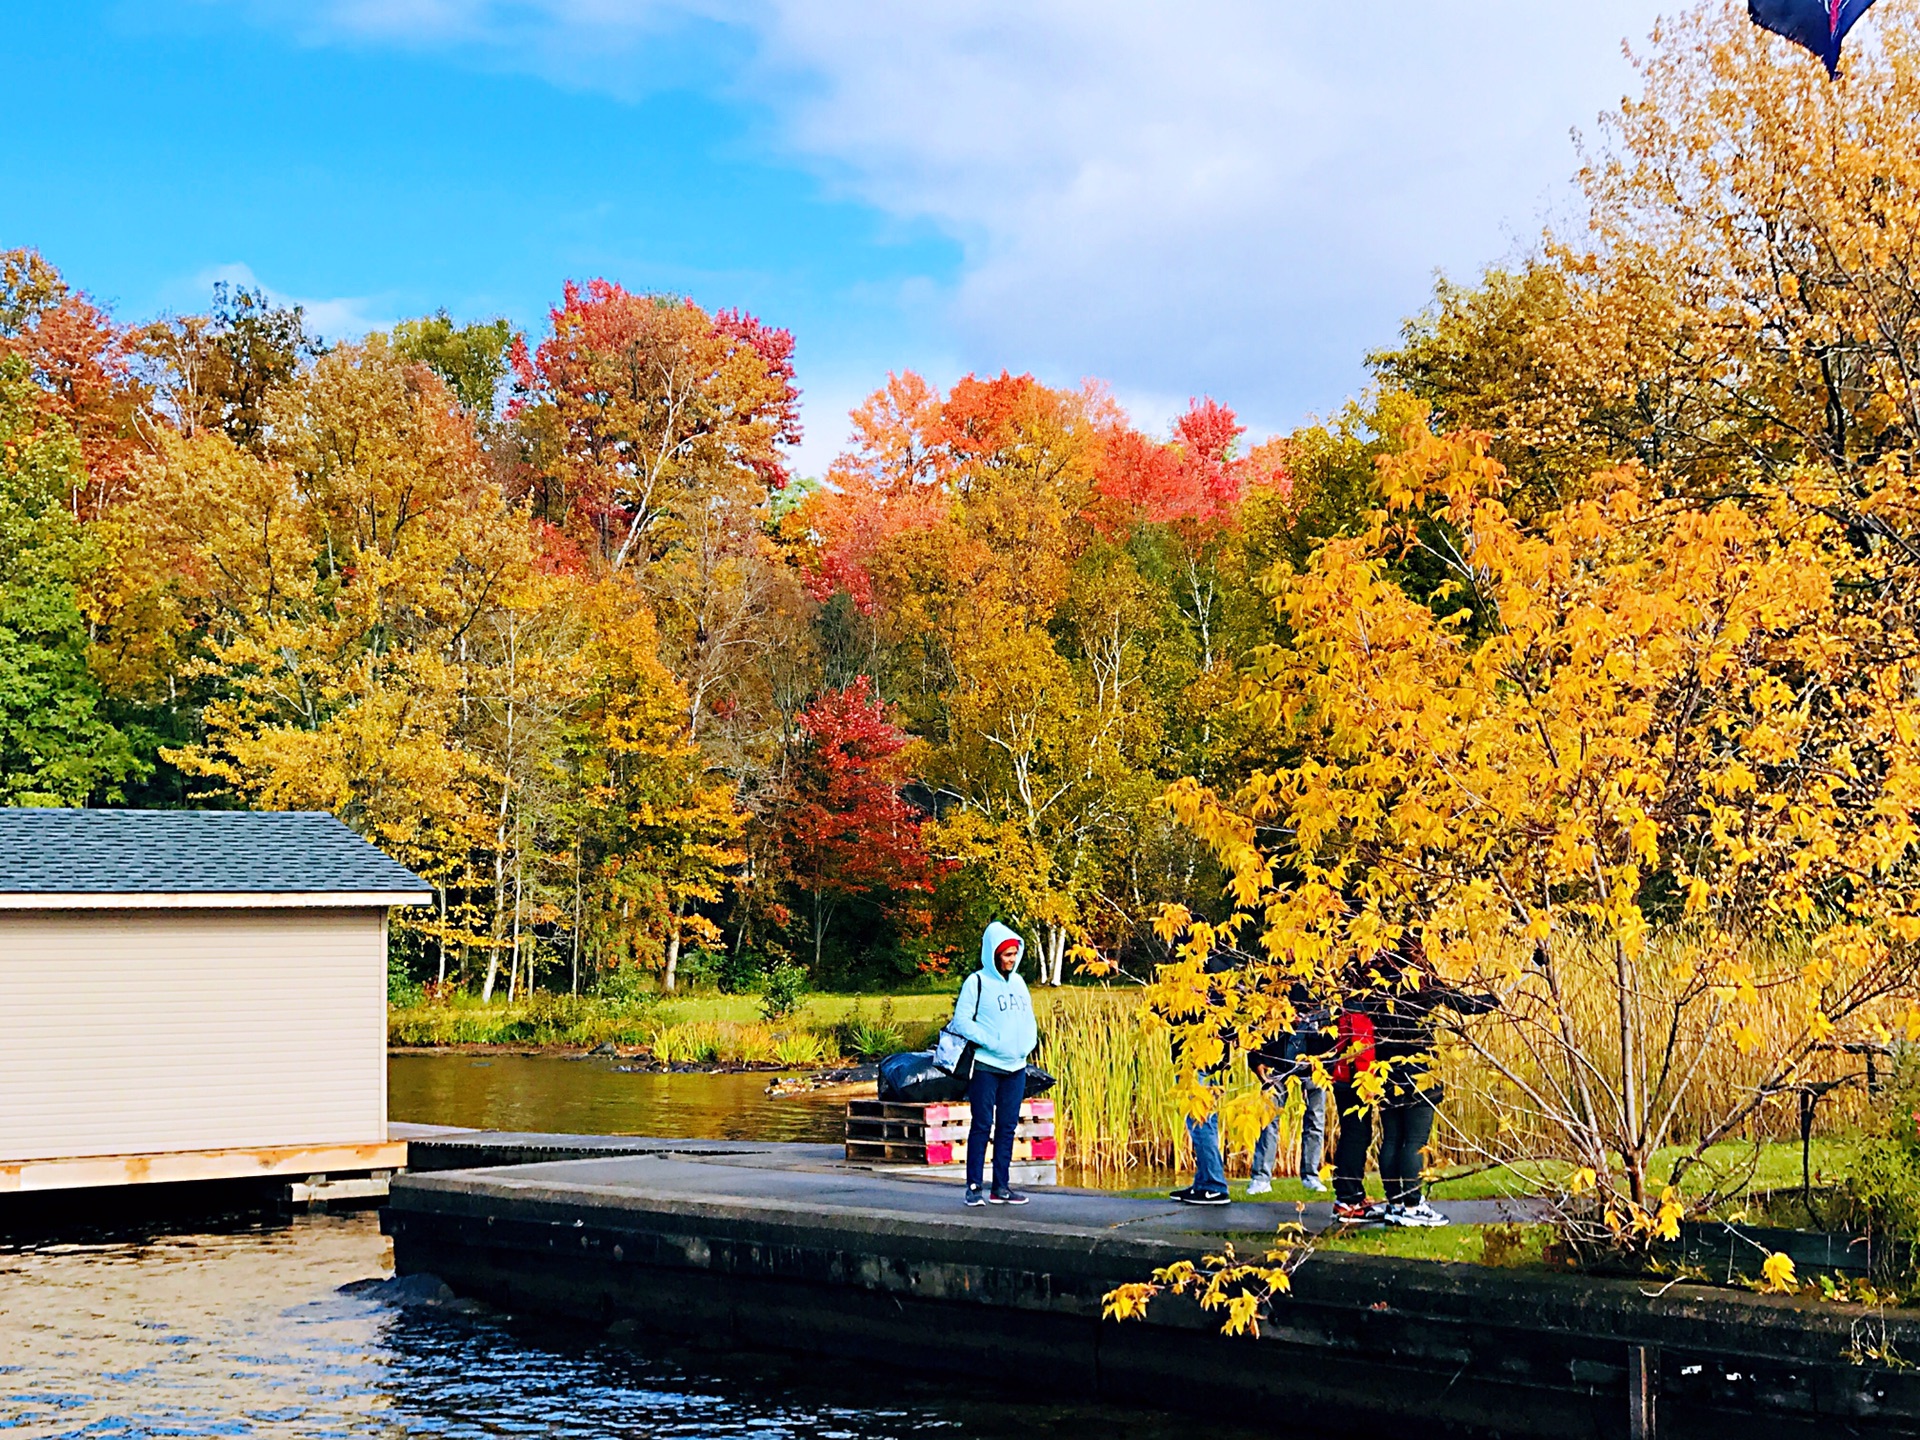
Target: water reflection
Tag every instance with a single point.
(245, 1333)
(594, 1097)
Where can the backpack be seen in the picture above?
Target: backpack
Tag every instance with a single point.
(1353, 1048)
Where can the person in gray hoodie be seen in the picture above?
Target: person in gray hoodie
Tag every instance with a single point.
(994, 1014)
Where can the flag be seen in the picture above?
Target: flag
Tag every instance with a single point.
(1819, 25)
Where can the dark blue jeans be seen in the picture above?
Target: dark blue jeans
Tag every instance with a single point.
(996, 1112)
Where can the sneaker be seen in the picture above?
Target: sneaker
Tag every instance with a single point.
(1314, 1183)
(1197, 1196)
(1420, 1217)
(1352, 1214)
(1006, 1197)
(1259, 1187)
(1181, 1194)
(976, 1195)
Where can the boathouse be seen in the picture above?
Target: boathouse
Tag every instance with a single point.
(192, 995)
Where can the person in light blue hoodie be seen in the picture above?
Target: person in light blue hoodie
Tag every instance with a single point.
(995, 1014)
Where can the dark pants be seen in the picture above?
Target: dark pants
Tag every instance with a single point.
(996, 1112)
(1350, 1152)
(1406, 1125)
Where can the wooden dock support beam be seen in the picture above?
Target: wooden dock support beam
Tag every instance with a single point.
(1643, 1374)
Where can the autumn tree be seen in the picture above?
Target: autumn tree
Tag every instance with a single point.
(471, 359)
(847, 832)
(83, 368)
(1043, 587)
(659, 832)
(638, 407)
(334, 594)
(1615, 774)
(216, 371)
(57, 746)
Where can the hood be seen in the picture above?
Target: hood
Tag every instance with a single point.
(996, 936)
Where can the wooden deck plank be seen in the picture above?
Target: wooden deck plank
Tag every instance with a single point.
(95, 1171)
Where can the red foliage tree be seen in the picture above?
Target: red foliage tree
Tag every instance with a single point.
(1194, 483)
(641, 407)
(848, 832)
(82, 365)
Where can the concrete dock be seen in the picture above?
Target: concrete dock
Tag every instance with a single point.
(787, 1247)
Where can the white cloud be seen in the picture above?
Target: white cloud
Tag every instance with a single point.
(1238, 197)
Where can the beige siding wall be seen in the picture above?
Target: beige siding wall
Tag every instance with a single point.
(140, 1032)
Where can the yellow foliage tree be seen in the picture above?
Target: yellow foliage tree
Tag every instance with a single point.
(1637, 722)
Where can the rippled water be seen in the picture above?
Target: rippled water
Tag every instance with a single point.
(241, 1328)
(246, 1333)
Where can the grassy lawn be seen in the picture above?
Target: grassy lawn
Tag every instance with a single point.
(702, 1027)
(819, 1012)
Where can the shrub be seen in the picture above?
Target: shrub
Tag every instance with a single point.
(1881, 1191)
(722, 970)
(401, 987)
(626, 986)
(869, 1041)
(781, 991)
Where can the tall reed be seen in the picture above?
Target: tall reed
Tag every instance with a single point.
(1118, 1110)
(1116, 1105)
(1673, 1013)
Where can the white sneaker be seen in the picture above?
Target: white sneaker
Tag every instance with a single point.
(1421, 1217)
(1315, 1184)
(1258, 1186)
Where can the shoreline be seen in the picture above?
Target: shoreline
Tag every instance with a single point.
(634, 1056)
(832, 1081)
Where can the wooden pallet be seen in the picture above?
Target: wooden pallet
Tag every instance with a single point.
(912, 1131)
(888, 1131)
(942, 1152)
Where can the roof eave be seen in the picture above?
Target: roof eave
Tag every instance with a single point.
(212, 900)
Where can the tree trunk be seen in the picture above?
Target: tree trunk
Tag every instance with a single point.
(499, 889)
(577, 904)
(518, 884)
(1633, 1150)
(441, 981)
(1054, 962)
(673, 949)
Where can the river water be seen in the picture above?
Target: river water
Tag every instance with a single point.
(237, 1328)
(244, 1331)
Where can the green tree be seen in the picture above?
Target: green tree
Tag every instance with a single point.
(56, 747)
(472, 359)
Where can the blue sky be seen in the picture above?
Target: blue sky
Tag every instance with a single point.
(1231, 197)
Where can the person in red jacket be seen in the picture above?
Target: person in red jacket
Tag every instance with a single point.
(1353, 1055)
(1391, 1024)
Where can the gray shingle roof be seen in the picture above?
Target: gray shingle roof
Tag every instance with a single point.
(136, 852)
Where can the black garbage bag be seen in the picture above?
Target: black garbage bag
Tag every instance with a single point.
(912, 1078)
